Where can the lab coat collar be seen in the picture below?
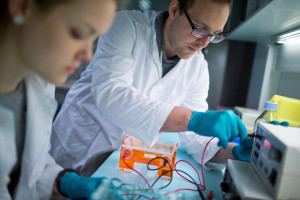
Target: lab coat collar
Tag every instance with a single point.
(41, 106)
(157, 55)
(153, 45)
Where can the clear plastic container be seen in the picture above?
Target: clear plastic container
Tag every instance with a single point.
(269, 114)
(134, 151)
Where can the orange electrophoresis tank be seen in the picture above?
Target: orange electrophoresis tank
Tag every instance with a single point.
(135, 151)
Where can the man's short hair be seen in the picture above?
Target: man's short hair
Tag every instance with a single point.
(189, 3)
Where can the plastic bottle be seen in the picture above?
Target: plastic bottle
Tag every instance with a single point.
(269, 114)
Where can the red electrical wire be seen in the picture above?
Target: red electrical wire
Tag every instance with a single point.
(136, 171)
(202, 169)
(186, 178)
(202, 186)
(202, 160)
(180, 190)
(253, 135)
(209, 196)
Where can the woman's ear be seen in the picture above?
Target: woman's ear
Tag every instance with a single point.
(17, 10)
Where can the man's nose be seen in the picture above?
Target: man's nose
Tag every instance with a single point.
(203, 41)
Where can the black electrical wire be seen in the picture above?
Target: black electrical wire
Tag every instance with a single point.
(171, 170)
(198, 188)
(165, 163)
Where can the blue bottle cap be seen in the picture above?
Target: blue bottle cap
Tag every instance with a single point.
(270, 105)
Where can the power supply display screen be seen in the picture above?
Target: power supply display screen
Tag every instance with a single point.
(267, 144)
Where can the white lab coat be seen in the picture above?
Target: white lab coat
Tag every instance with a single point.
(122, 92)
(38, 169)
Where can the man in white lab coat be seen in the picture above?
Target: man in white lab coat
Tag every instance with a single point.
(148, 76)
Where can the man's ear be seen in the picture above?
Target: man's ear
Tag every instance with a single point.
(173, 8)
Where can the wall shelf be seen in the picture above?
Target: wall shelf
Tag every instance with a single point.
(276, 17)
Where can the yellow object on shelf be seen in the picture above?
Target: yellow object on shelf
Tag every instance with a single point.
(288, 109)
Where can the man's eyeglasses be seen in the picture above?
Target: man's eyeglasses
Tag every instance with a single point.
(202, 33)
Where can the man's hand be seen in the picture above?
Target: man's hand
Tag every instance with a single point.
(224, 125)
(243, 150)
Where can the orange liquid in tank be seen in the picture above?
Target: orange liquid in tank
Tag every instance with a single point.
(135, 151)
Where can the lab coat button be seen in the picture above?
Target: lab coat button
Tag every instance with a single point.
(4, 181)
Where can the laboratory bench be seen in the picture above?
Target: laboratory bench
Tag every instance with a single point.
(213, 178)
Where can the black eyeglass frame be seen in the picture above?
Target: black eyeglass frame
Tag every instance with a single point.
(220, 35)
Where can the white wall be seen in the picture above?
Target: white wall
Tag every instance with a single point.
(282, 72)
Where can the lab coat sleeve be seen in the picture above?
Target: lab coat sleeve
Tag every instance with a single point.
(47, 179)
(197, 93)
(196, 100)
(112, 90)
(43, 187)
(195, 144)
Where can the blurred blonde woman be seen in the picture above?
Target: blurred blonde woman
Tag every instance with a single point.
(42, 42)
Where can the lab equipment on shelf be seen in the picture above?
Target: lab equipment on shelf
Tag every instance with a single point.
(288, 109)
